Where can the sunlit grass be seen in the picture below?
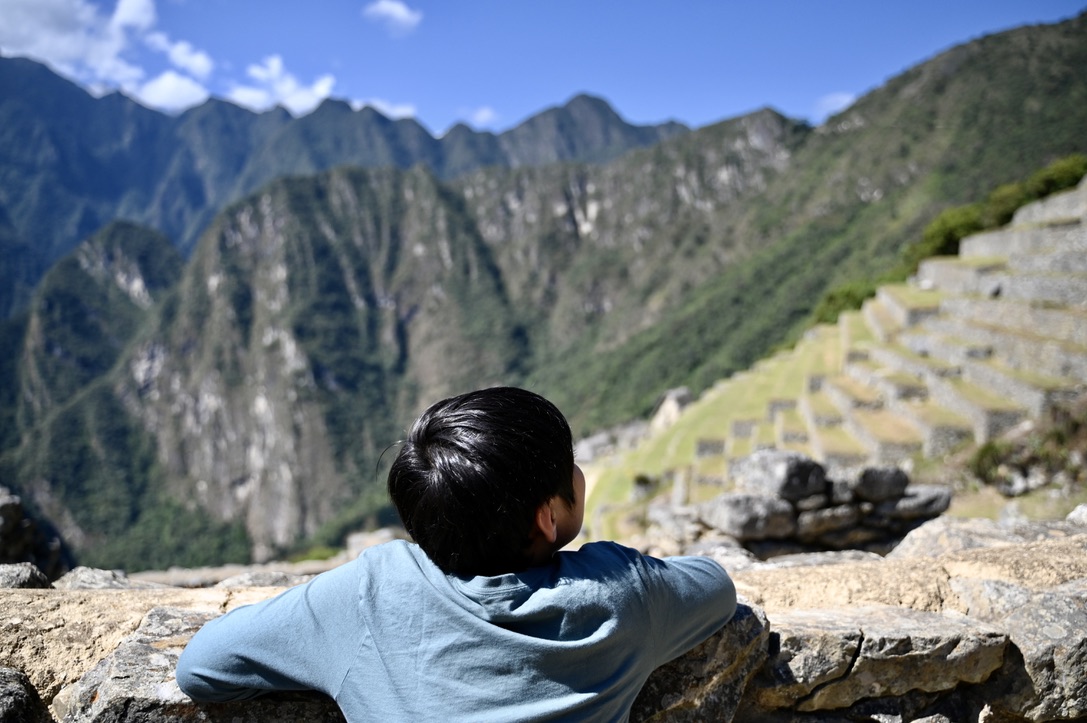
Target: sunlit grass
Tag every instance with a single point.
(1042, 504)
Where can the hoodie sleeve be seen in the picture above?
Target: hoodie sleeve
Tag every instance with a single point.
(306, 638)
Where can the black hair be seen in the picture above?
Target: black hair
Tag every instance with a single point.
(473, 471)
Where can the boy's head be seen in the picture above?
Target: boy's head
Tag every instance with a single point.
(485, 482)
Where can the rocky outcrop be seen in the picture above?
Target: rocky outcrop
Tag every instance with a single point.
(19, 702)
(784, 503)
(996, 624)
(988, 624)
(110, 691)
(26, 540)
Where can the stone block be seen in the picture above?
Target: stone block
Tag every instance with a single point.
(1058, 207)
(831, 659)
(22, 575)
(815, 502)
(813, 524)
(778, 473)
(749, 517)
(707, 682)
(841, 492)
(1049, 682)
(920, 501)
(89, 578)
(19, 701)
(945, 534)
(1024, 240)
(136, 683)
(877, 484)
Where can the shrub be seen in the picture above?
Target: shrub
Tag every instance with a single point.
(844, 297)
(941, 237)
(987, 459)
(1002, 204)
(1057, 176)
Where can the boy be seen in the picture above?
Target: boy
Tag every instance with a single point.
(482, 618)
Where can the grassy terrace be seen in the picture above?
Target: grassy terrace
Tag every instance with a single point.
(982, 263)
(1038, 381)
(982, 397)
(838, 441)
(913, 297)
(885, 322)
(934, 415)
(977, 263)
(854, 330)
(823, 408)
(819, 353)
(887, 425)
(878, 408)
(791, 424)
(860, 394)
(937, 367)
(1032, 337)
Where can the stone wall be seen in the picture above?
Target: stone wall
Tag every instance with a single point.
(968, 620)
(784, 502)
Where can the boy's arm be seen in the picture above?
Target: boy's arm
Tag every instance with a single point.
(692, 598)
(304, 639)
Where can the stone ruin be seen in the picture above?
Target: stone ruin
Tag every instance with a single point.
(783, 503)
(966, 620)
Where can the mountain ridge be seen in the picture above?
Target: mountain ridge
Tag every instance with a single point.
(318, 314)
(110, 157)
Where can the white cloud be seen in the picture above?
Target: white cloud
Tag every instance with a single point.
(483, 117)
(137, 14)
(182, 54)
(171, 91)
(397, 17)
(832, 103)
(253, 98)
(275, 85)
(72, 37)
(386, 108)
(76, 39)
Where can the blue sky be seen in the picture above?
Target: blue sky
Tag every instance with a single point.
(493, 63)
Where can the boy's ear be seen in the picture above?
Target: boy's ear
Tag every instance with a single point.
(545, 523)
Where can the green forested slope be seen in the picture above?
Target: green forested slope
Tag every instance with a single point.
(856, 192)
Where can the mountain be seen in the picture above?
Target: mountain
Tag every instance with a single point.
(313, 320)
(69, 163)
(247, 408)
(854, 193)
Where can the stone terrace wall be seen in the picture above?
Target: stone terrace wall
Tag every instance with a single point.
(966, 621)
(785, 503)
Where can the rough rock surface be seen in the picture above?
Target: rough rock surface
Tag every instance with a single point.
(888, 652)
(993, 630)
(778, 473)
(88, 578)
(24, 539)
(136, 683)
(22, 575)
(989, 633)
(706, 683)
(19, 702)
(57, 636)
(784, 503)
